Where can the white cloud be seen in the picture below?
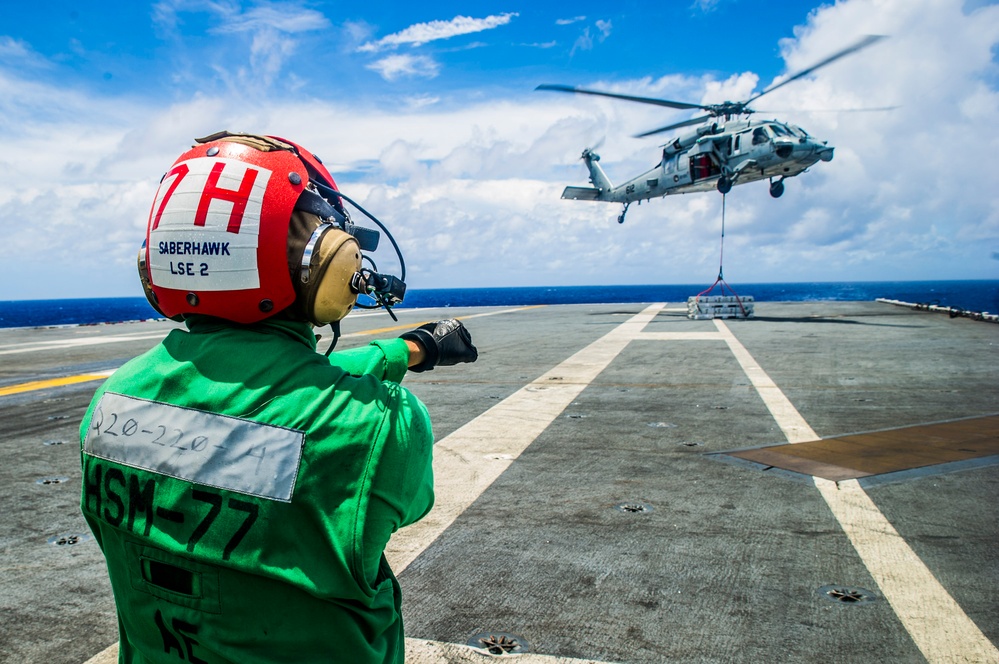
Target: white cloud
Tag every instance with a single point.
(17, 51)
(421, 33)
(464, 47)
(605, 29)
(272, 28)
(706, 6)
(357, 32)
(471, 188)
(891, 185)
(393, 67)
(166, 13)
(570, 21)
(584, 42)
(417, 102)
(890, 205)
(279, 17)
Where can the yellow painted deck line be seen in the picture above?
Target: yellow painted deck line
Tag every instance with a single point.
(36, 346)
(52, 382)
(936, 622)
(83, 378)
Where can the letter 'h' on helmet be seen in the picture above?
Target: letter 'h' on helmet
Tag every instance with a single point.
(238, 230)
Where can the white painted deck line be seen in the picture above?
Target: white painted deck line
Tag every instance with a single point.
(469, 460)
(937, 624)
(419, 651)
(34, 346)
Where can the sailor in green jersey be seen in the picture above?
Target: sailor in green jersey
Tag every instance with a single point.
(242, 486)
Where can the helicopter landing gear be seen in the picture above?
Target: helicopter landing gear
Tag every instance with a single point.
(620, 218)
(777, 188)
(724, 185)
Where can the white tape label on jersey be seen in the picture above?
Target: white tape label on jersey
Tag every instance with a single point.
(205, 225)
(205, 448)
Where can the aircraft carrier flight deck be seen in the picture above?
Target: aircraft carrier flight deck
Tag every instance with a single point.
(615, 483)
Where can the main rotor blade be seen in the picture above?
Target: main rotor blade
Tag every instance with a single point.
(685, 123)
(830, 110)
(641, 100)
(863, 43)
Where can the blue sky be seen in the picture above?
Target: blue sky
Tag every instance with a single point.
(427, 115)
(129, 50)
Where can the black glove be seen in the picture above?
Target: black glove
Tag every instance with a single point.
(445, 342)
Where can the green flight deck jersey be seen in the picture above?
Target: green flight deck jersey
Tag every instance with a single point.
(243, 487)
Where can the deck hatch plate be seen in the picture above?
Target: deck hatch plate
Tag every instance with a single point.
(878, 452)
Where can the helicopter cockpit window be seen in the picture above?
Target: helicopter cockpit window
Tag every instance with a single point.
(779, 130)
(760, 136)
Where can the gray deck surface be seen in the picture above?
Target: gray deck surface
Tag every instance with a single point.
(726, 566)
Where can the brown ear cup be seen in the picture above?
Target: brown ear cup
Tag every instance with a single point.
(328, 296)
(322, 288)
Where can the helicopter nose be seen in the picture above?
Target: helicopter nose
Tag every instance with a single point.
(825, 153)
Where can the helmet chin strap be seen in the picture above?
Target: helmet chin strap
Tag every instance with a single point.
(335, 327)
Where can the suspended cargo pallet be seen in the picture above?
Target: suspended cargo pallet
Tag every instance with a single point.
(706, 307)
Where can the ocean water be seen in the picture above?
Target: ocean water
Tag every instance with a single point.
(982, 295)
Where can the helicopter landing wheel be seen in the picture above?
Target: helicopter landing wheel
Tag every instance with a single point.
(724, 185)
(620, 218)
(777, 188)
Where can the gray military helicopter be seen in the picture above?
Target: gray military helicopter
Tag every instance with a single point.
(725, 150)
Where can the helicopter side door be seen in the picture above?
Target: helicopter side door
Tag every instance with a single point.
(681, 169)
(737, 146)
(671, 175)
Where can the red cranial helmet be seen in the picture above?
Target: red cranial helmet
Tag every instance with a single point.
(228, 229)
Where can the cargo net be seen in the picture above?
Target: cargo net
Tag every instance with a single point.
(705, 306)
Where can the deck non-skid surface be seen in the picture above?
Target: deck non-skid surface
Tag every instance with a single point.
(581, 506)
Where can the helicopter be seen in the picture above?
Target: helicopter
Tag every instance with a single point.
(728, 148)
